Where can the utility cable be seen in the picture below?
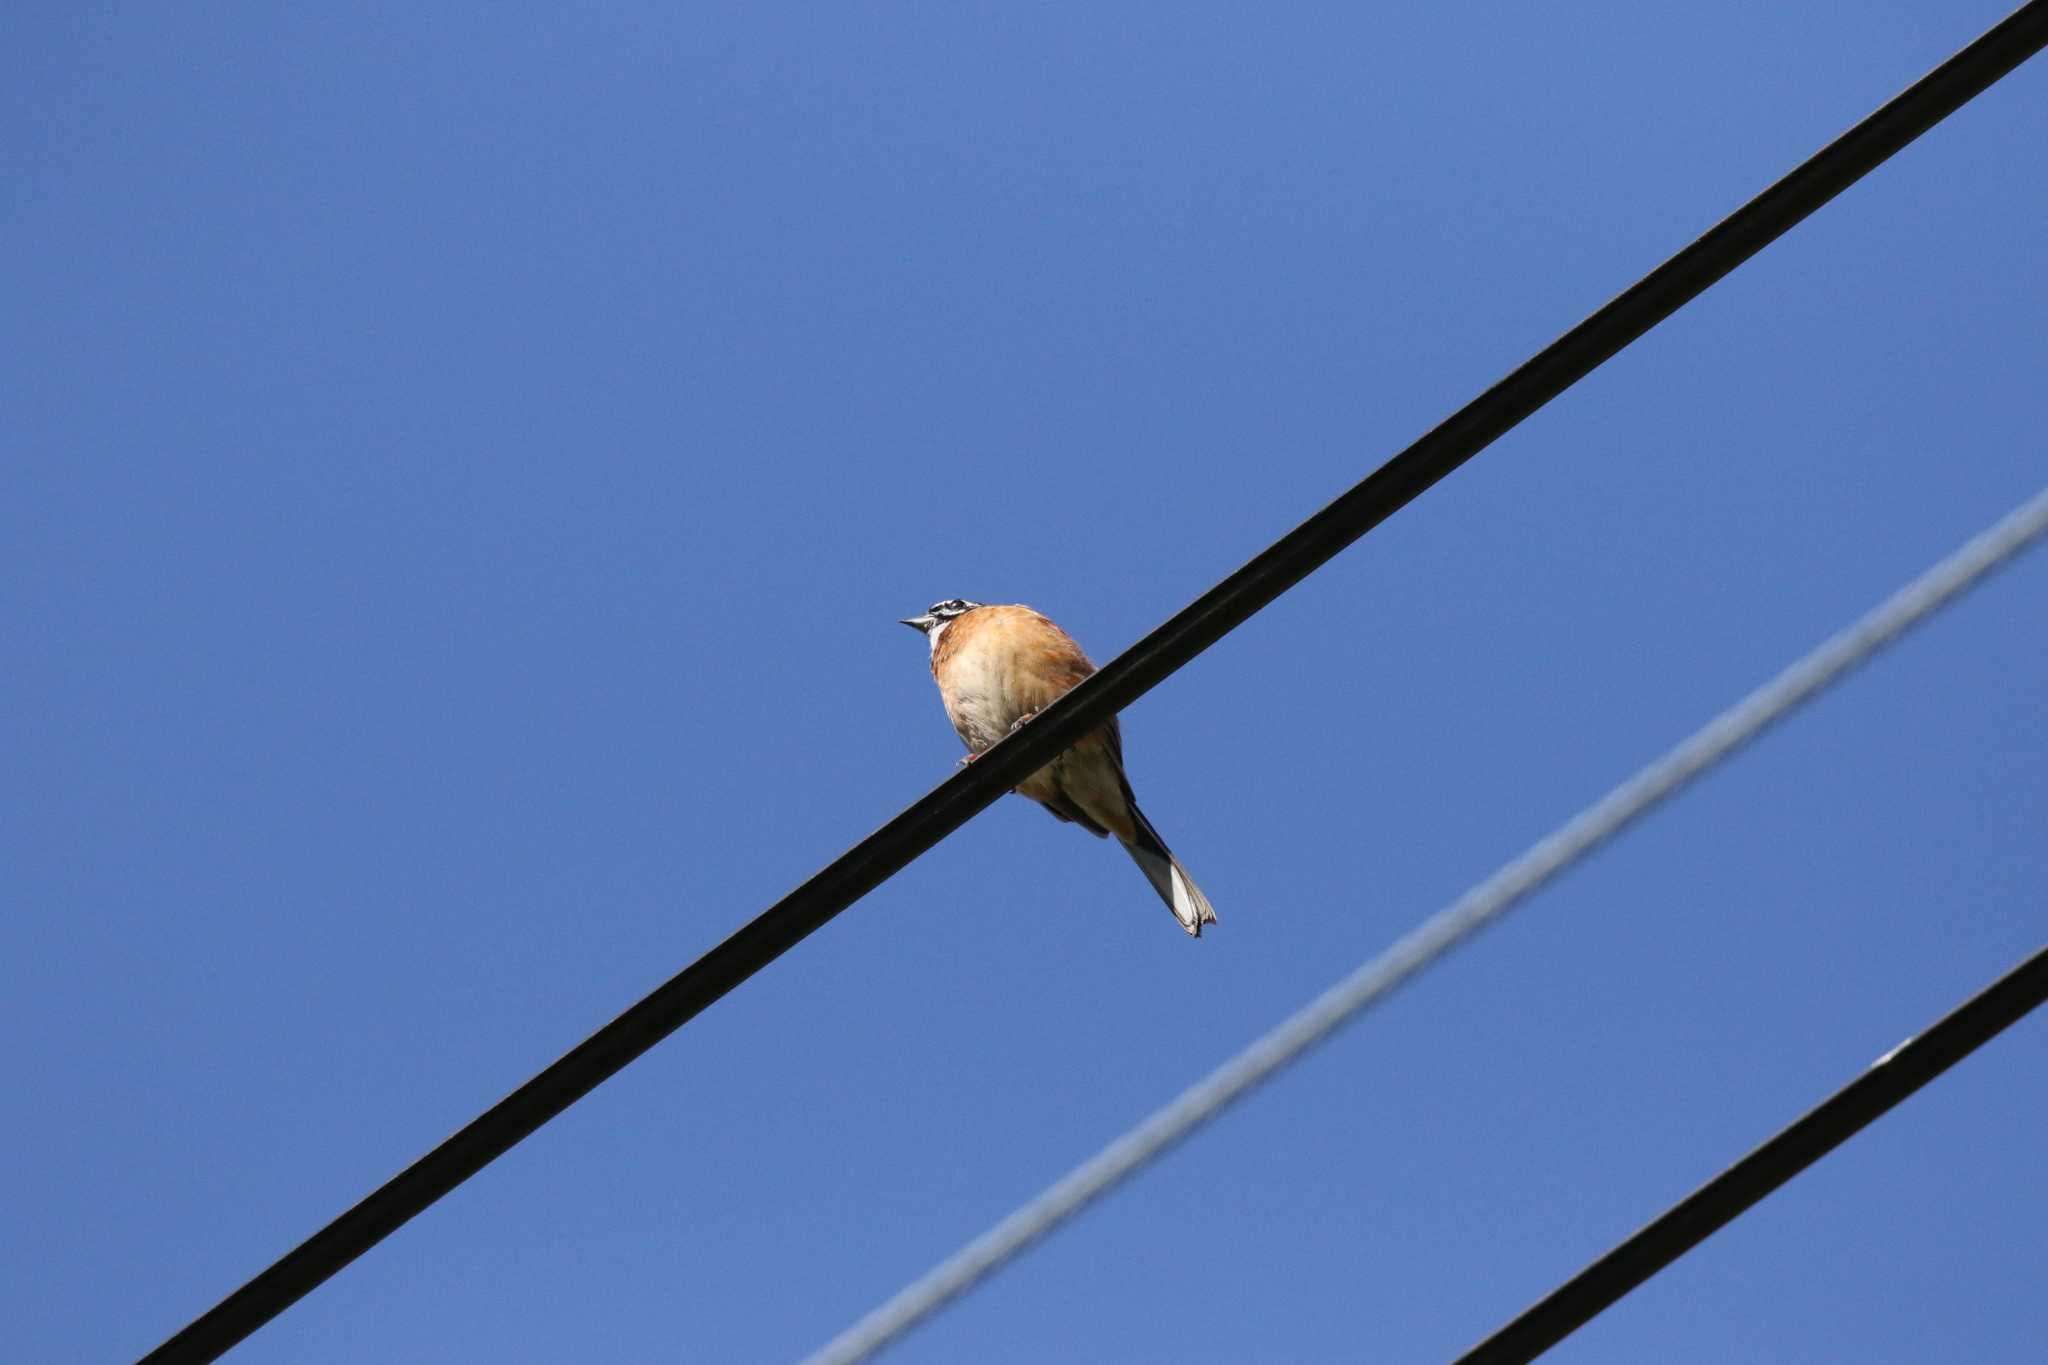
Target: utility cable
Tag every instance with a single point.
(1890, 1079)
(1440, 933)
(1122, 681)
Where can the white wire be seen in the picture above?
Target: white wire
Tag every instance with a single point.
(1438, 934)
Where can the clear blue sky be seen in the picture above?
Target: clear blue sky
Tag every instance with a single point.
(461, 466)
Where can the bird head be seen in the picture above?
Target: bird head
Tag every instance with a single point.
(940, 614)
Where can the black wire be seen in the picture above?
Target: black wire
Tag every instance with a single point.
(1721, 1200)
(1121, 682)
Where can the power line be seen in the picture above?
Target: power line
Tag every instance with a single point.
(1126, 678)
(1440, 933)
(1721, 1200)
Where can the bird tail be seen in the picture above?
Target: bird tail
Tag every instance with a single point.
(1167, 876)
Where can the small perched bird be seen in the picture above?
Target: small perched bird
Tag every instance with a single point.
(996, 668)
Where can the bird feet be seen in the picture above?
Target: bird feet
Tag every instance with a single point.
(1015, 726)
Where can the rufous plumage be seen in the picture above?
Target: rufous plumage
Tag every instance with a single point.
(997, 667)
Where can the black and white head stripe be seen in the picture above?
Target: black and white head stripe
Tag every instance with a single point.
(939, 616)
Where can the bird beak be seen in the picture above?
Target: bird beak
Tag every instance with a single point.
(920, 624)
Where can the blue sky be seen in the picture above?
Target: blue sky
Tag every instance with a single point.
(462, 466)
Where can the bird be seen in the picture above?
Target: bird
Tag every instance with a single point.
(997, 667)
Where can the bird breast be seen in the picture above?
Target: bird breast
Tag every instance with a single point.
(996, 665)
(984, 695)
